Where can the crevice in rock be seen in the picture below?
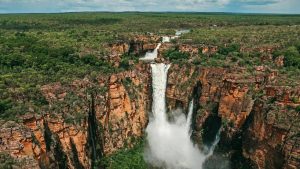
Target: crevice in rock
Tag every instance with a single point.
(74, 156)
(233, 144)
(47, 136)
(211, 127)
(136, 48)
(94, 142)
(197, 92)
(54, 157)
(245, 143)
(59, 155)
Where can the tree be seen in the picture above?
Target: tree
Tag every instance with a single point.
(292, 57)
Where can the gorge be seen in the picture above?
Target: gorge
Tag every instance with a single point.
(170, 144)
(223, 103)
(149, 90)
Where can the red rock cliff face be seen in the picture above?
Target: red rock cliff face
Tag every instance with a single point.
(259, 122)
(126, 115)
(138, 45)
(65, 134)
(272, 139)
(181, 81)
(142, 43)
(26, 142)
(17, 142)
(268, 127)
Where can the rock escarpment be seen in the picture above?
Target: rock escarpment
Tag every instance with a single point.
(97, 116)
(128, 101)
(259, 120)
(84, 121)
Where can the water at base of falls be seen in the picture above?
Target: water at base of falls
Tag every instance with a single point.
(169, 143)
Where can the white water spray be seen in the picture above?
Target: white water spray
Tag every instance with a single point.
(169, 143)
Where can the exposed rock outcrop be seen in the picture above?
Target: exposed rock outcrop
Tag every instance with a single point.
(18, 143)
(84, 121)
(126, 116)
(259, 119)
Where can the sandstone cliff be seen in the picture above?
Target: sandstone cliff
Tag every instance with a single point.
(93, 117)
(84, 120)
(259, 121)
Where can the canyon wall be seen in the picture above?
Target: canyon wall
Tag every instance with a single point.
(84, 121)
(259, 119)
(93, 117)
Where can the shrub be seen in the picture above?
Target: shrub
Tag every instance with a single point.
(5, 105)
(294, 100)
(174, 55)
(197, 61)
(12, 60)
(89, 59)
(126, 158)
(6, 161)
(292, 57)
(298, 109)
(228, 49)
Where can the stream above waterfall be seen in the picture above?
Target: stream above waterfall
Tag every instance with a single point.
(151, 55)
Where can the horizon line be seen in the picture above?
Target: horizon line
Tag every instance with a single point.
(219, 12)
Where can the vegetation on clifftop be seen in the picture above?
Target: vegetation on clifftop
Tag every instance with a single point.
(38, 49)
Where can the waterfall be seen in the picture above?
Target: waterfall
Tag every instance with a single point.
(209, 150)
(150, 56)
(159, 81)
(166, 39)
(180, 32)
(169, 142)
(189, 117)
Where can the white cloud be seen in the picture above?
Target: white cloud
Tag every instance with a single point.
(150, 5)
(281, 6)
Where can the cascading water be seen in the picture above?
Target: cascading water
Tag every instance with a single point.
(189, 117)
(166, 39)
(180, 32)
(169, 143)
(150, 56)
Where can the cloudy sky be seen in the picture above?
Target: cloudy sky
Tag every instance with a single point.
(246, 6)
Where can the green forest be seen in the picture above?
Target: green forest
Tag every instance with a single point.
(37, 49)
